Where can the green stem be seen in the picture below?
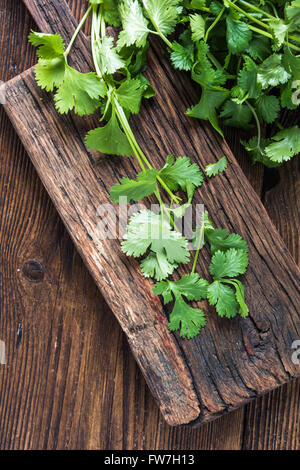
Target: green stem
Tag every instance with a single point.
(214, 24)
(158, 31)
(250, 17)
(258, 10)
(257, 123)
(79, 27)
(198, 248)
(268, 35)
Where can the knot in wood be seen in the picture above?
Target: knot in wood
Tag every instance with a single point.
(33, 270)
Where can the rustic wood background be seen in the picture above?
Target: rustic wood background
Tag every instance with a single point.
(74, 384)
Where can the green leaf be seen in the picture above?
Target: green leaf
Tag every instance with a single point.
(130, 94)
(240, 296)
(111, 12)
(271, 72)
(109, 139)
(229, 264)
(223, 297)
(221, 240)
(176, 174)
(163, 13)
(239, 35)
(80, 91)
(50, 73)
(285, 145)
(259, 48)
(212, 169)
(268, 108)
(190, 320)
(197, 24)
(247, 79)
(109, 59)
(210, 101)
(50, 46)
(257, 153)
(190, 285)
(135, 25)
(156, 265)
(236, 115)
(135, 190)
(148, 230)
(182, 56)
(184, 317)
(279, 31)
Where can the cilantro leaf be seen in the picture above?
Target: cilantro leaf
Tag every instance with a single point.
(190, 285)
(210, 101)
(268, 108)
(190, 320)
(257, 153)
(239, 295)
(135, 190)
(109, 139)
(148, 230)
(229, 264)
(157, 265)
(50, 46)
(164, 14)
(279, 29)
(271, 72)
(77, 90)
(80, 91)
(176, 174)
(135, 25)
(223, 297)
(239, 35)
(236, 114)
(130, 94)
(50, 70)
(182, 56)
(108, 58)
(184, 317)
(247, 79)
(221, 240)
(212, 169)
(285, 145)
(50, 73)
(197, 24)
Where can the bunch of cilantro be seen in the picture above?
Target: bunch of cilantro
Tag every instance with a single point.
(243, 54)
(116, 88)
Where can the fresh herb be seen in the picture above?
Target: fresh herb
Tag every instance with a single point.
(245, 55)
(212, 169)
(116, 88)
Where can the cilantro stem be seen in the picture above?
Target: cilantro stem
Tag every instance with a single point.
(268, 35)
(214, 24)
(157, 30)
(79, 27)
(257, 123)
(248, 15)
(199, 242)
(258, 10)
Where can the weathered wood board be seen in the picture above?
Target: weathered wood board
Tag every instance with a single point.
(232, 361)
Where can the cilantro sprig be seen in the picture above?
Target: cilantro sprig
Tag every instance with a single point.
(117, 88)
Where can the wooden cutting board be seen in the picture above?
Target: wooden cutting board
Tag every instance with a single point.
(231, 361)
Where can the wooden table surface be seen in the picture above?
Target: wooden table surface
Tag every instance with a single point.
(70, 381)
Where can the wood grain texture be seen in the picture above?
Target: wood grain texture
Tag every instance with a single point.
(222, 380)
(115, 416)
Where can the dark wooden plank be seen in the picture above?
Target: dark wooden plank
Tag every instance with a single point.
(222, 388)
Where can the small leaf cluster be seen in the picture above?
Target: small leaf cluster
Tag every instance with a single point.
(243, 54)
